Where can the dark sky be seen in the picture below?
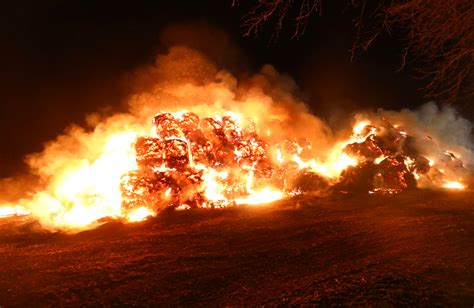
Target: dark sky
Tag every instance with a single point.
(62, 59)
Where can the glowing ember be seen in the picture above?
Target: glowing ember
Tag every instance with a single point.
(359, 127)
(139, 214)
(453, 185)
(16, 210)
(266, 195)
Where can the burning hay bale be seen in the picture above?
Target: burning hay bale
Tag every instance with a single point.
(154, 152)
(390, 163)
(214, 162)
(387, 166)
(198, 162)
(219, 161)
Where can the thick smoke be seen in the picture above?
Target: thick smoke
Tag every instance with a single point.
(184, 79)
(448, 129)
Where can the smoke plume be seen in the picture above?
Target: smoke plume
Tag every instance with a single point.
(185, 79)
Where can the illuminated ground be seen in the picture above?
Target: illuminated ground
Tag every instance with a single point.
(410, 249)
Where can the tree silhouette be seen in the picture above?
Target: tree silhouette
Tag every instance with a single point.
(438, 34)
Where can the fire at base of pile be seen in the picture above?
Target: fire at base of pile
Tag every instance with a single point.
(190, 161)
(221, 161)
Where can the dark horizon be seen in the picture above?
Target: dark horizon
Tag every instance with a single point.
(63, 60)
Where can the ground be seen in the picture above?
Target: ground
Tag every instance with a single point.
(411, 249)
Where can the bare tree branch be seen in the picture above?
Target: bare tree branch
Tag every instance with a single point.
(440, 34)
(278, 12)
(437, 33)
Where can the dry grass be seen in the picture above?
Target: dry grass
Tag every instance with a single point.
(410, 249)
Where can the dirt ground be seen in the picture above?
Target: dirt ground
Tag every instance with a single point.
(410, 249)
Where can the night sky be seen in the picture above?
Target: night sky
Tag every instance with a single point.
(63, 59)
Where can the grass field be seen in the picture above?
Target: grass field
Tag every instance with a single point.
(410, 249)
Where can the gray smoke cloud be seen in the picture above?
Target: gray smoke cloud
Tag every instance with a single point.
(449, 130)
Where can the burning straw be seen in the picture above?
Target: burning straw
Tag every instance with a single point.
(217, 142)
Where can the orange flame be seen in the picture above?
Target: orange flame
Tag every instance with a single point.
(88, 190)
(453, 185)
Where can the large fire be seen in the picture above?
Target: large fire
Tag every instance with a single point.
(221, 161)
(223, 142)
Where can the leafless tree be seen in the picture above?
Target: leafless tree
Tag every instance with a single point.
(438, 34)
(280, 12)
